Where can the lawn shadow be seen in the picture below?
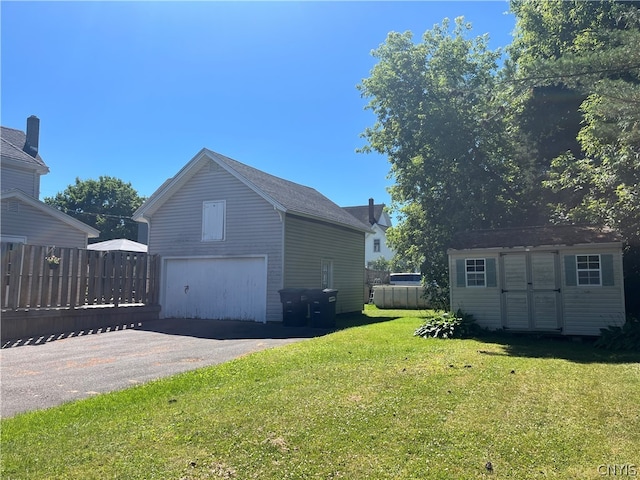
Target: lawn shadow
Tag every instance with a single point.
(359, 319)
(238, 329)
(573, 349)
(204, 328)
(229, 329)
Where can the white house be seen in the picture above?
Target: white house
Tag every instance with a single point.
(376, 216)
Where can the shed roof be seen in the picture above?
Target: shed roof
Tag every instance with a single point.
(284, 195)
(547, 235)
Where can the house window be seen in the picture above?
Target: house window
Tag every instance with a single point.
(213, 220)
(326, 280)
(588, 269)
(376, 244)
(475, 272)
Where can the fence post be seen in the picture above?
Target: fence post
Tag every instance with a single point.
(12, 255)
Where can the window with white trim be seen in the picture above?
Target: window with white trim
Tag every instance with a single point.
(588, 269)
(326, 279)
(475, 271)
(376, 244)
(213, 220)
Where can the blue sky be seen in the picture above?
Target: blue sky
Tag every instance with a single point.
(134, 90)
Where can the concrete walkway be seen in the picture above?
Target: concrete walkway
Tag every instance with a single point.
(41, 373)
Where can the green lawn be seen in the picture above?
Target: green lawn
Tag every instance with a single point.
(370, 401)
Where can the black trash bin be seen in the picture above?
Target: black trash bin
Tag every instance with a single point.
(294, 306)
(322, 305)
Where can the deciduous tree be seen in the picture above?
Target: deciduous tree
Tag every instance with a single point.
(591, 51)
(441, 124)
(106, 204)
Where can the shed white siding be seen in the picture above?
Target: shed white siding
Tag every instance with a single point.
(482, 302)
(21, 219)
(251, 227)
(308, 243)
(536, 291)
(587, 309)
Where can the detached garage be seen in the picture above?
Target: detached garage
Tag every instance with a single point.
(562, 279)
(231, 237)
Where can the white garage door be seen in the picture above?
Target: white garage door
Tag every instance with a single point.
(215, 288)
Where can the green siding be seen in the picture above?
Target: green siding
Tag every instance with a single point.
(308, 242)
(607, 270)
(571, 279)
(460, 273)
(491, 272)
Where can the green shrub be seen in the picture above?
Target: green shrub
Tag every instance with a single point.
(448, 325)
(626, 337)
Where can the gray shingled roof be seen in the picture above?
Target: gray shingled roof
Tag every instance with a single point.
(13, 141)
(361, 212)
(293, 197)
(548, 235)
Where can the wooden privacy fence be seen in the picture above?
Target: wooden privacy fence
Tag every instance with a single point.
(39, 277)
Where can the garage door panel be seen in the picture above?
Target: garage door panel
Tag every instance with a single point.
(216, 288)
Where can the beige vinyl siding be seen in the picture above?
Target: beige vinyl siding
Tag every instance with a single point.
(20, 219)
(252, 226)
(587, 309)
(482, 302)
(25, 180)
(308, 243)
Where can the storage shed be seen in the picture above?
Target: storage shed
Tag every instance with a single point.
(563, 279)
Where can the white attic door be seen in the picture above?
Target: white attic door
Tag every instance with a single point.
(213, 216)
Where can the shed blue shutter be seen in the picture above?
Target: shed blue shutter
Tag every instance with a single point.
(607, 270)
(491, 272)
(461, 280)
(570, 270)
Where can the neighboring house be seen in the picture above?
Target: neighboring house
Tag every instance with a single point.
(231, 236)
(24, 218)
(376, 241)
(564, 279)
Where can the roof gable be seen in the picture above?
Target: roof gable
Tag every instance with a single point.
(13, 142)
(548, 235)
(361, 212)
(48, 210)
(284, 195)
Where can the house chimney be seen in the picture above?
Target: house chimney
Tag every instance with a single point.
(33, 134)
(372, 217)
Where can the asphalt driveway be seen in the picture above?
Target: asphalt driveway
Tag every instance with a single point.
(41, 373)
